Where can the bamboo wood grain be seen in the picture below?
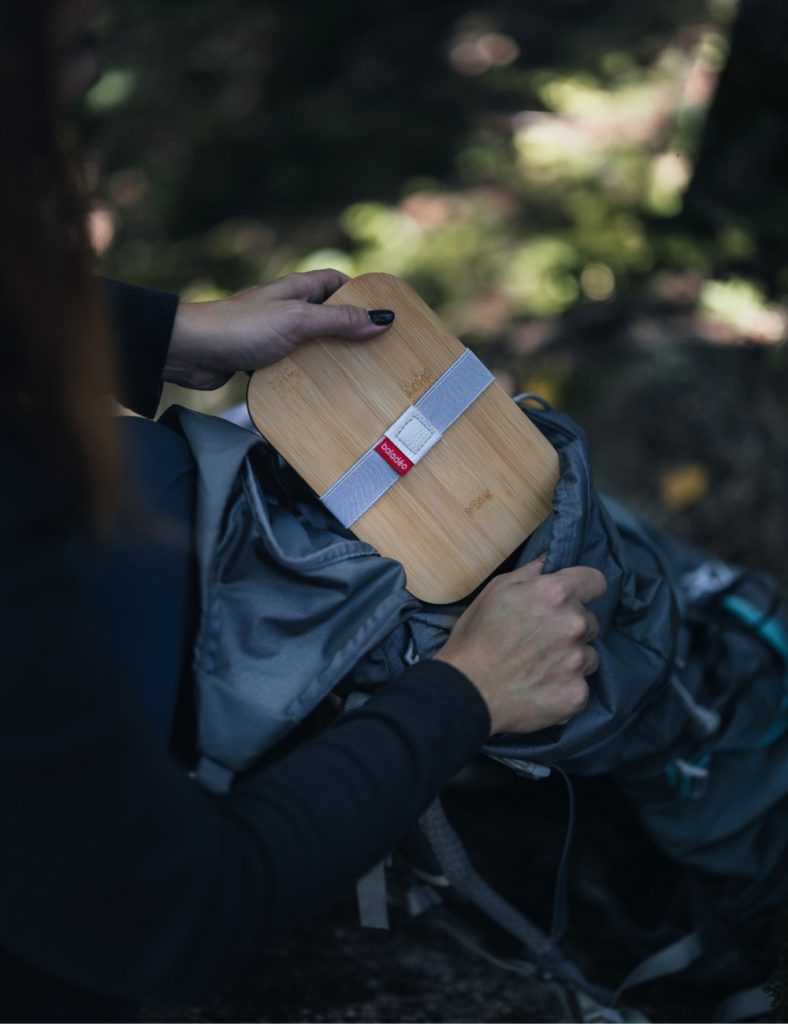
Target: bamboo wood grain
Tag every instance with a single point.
(475, 496)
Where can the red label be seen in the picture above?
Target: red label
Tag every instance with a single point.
(390, 452)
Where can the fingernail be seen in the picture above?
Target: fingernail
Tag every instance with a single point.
(380, 317)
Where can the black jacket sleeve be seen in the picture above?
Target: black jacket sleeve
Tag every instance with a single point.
(118, 873)
(142, 321)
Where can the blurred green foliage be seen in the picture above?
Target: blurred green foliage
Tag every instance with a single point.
(511, 161)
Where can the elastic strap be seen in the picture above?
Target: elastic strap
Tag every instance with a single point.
(408, 439)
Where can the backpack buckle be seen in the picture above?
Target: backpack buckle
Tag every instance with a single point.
(690, 780)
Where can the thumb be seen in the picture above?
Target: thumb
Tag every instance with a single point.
(349, 322)
(531, 569)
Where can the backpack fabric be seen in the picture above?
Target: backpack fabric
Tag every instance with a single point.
(688, 711)
(289, 601)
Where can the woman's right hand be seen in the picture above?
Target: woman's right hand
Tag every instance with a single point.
(525, 644)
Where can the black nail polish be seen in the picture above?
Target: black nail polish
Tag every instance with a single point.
(380, 317)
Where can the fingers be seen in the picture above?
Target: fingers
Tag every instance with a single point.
(579, 583)
(312, 286)
(529, 570)
(349, 322)
(590, 662)
(576, 697)
(592, 628)
(310, 319)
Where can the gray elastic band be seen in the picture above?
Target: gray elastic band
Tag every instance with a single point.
(360, 487)
(454, 391)
(358, 490)
(368, 479)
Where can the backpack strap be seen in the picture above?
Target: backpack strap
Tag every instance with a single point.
(372, 898)
(766, 626)
(745, 1005)
(371, 888)
(705, 721)
(669, 960)
(462, 875)
(213, 776)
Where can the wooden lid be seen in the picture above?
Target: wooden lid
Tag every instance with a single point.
(475, 496)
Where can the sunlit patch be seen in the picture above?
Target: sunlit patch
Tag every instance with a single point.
(473, 53)
(428, 209)
(547, 386)
(321, 258)
(540, 278)
(740, 305)
(682, 486)
(669, 174)
(535, 210)
(610, 150)
(101, 228)
(203, 290)
(371, 222)
(113, 89)
(597, 281)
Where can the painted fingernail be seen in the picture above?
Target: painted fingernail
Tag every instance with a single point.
(380, 317)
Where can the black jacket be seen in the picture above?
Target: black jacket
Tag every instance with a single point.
(121, 879)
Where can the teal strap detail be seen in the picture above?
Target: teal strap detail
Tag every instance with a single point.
(776, 730)
(689, 778)
(770, 630)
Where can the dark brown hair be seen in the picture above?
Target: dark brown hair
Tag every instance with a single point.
(54, 354)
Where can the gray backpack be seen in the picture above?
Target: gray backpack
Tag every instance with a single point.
(688, 711)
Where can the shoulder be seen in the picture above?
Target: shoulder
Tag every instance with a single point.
(31, 506)
(36, 586)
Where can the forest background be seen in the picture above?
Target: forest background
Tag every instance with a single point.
(591, 194)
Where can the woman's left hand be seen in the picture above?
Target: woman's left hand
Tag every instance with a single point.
(212, 340)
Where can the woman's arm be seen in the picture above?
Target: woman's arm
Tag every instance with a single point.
(120, 874)
(201, 344)
(142, 321)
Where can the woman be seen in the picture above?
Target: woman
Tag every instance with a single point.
(122, 880)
